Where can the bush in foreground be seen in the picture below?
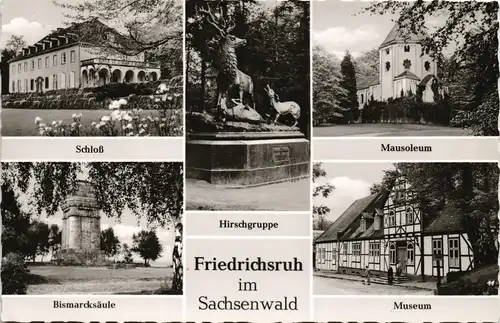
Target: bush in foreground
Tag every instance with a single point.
(15, 274)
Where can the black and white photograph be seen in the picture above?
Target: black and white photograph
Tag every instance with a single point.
(393, 68)
(405, 229)
(92, 228)
(93, 68)
(248, 105)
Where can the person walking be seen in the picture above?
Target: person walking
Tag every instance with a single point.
(368, 275)
(390, 275)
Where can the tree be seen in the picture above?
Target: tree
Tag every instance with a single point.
(152, 26)
(474, 67)
(151, 191)
(110, 243)
(147, 245)
(367, 64)
(348, 82)
(55, 239)
(321, 223)
(323, 190)
(13, 46)
(38, 239)
(327, 92)
(15, 224)
(127, 254)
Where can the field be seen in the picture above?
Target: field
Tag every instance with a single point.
(21, 122)
(98, 280)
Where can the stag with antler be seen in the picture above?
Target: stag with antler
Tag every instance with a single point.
(229, 75)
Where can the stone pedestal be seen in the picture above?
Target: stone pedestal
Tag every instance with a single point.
(244, 159)
(81, 228)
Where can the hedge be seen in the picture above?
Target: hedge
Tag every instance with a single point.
(407, 110)
(138, 95)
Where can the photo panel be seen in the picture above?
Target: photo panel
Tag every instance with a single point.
(90, 69)
(406, 229)
(248, 107)
(391, 69)
(84, 235)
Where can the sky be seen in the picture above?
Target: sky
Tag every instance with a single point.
(341, 25)
(351, 181)
(124, 229)
(32, 19)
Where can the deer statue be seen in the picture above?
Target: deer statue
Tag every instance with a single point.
(229, 75)
(283, 108)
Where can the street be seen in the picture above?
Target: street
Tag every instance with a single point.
(333, 286)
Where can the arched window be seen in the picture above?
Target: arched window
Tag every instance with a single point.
(47, 82)
(387, 66)
(409, 215)
(387, 51)
(391, 219)
(427, 50)
(427, 66)
(362, 98)
(410, 254)
(407, 48)
(392, 254)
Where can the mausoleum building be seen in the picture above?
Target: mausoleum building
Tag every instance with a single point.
(86, 54)
(405, 64)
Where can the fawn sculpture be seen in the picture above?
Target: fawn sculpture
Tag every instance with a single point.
(283, 108)
(229, 75)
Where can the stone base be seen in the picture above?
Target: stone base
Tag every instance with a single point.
(81, 257)
(243, 159)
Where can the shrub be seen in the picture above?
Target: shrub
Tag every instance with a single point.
(15, 274)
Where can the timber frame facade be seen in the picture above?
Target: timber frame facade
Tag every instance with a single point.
(386, 229)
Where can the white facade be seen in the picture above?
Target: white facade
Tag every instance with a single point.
(398, 236)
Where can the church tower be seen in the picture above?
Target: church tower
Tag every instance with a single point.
(404, 63)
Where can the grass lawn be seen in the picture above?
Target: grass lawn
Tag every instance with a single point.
(285, 196)
(21, 122)
(98, 280)
(386, 129)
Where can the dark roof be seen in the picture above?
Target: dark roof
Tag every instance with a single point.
(428, 77)
(317, 233)
(345, 221)
(407, 75)
(399, 35)
(367, 82)
(447, 220)
(91, 31)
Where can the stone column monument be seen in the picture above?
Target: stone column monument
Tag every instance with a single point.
(81, 228)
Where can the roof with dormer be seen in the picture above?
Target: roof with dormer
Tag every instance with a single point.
(347, 224)
(399, 35)
(91, 31)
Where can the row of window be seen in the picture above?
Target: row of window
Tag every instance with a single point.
(72, 58)
(407, 65)
(407, 49)
(39, 84)
(374, 252)
(409, 216)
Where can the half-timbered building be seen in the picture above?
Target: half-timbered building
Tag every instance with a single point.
(387, 229)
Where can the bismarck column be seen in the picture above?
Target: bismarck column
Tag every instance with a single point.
(81, 228)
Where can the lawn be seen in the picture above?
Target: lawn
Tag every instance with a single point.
(98, 280)
(386, 129)
(285, 196)
(21, 122)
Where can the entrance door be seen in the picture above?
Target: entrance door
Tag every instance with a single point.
(401, 258)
